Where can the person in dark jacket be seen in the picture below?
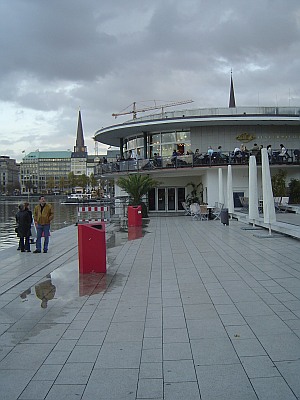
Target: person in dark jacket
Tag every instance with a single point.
(24, 220)
(27, 245)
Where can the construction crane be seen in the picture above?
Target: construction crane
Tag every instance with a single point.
(134, 110)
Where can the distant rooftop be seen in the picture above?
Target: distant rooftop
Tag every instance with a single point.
(47, 154)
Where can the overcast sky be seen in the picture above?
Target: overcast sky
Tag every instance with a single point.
(100, 56)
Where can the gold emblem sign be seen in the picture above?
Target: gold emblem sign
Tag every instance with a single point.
(245, 137)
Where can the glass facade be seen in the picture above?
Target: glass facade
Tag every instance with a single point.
(162, 143)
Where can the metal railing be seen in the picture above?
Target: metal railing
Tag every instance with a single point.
(292, 157)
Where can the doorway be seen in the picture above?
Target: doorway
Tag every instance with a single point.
(167, 199)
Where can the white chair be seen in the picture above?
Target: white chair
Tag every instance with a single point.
(204, 212)
(195, 211)
(217, 210)
(186, 208)
(277, 201)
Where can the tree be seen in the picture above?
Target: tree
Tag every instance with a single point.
(28, 185)
(82, 180)
(93, 181)
(51, 183)
(137, 186)
(71, 180)
(193, 197)
(62, 183)
(278, 184)
(294, 191)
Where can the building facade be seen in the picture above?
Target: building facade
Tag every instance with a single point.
(9, 175)
(45, 171)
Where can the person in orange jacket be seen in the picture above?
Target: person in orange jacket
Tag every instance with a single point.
(43, 215)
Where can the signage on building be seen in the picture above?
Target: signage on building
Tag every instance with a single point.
(245, 137)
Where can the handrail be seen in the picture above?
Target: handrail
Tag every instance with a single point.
(194, 161)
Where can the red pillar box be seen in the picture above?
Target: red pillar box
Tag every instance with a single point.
(92, 248)
(135, 216)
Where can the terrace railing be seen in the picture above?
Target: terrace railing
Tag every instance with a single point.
(292, 157)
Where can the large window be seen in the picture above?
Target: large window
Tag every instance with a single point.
(162, 143)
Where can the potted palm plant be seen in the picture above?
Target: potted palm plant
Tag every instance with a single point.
(137, 186)
(193, 196)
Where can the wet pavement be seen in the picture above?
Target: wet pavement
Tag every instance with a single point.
(187, 310)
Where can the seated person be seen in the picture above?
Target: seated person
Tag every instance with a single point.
(197, 157)
(174, 157)
(270, 152)
(210, 151)
(157, 160)
(220, 155)
(237, 154)
(255, 150)
(283, 153)
(244, 150)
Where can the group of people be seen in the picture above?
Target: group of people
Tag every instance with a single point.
(240, 153)
(42, 216)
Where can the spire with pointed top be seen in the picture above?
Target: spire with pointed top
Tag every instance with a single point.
(231, 98)
(80, 148)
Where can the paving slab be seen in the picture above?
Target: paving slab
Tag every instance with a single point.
(191, 310)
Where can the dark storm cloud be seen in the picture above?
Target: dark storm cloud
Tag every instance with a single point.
(54, 40)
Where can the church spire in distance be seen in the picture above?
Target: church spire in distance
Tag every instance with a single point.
(231, 98)
(80, 148)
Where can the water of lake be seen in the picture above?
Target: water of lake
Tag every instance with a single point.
(64, 215)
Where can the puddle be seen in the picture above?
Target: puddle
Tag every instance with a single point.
(122, 233)
(66, 283)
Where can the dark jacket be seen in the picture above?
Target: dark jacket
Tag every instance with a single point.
(24, 220)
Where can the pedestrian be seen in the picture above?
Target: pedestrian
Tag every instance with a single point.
(27, 242)
(43, 215)
(24, 221)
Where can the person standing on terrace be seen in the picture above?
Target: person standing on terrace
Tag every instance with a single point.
(43, 215)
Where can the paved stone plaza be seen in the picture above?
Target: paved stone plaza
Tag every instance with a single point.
(191, 310)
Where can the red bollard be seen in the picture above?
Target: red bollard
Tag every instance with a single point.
(92, 248)
(135, 216)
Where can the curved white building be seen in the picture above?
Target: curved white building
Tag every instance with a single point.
(191, 129)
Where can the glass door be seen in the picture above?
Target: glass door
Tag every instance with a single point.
(166, 199)
(171, 199)
(161, 199)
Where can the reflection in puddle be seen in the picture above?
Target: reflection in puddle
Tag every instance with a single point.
(123, 233)
(45, 291)
(135, 232)
(90, 284)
